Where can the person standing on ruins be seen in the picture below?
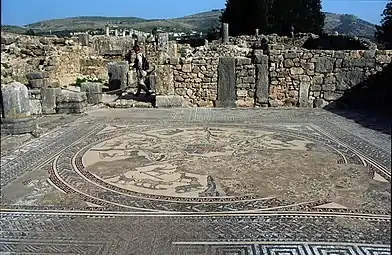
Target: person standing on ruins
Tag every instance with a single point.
(141, 66)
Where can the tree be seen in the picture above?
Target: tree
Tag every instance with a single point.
(30, 32)
(273, 16)
(244, 18)
(384, 32)
(304, 15)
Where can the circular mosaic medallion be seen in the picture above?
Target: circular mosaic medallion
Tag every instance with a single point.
(211, 169)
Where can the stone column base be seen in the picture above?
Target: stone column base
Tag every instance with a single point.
(17, 126)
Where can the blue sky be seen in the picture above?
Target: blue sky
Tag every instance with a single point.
(21, 12)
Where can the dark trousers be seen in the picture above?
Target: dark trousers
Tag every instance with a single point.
(145, 87)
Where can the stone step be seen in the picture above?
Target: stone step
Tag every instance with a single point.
(129, 103)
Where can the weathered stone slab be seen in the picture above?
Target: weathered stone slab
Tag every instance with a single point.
(225, 33)
(49, 100)
(16, 102)
(164, 80)
(262, 80)
(71, 107)
(92, 90)
(69, 96)
(36, 107)
(16, 109)
(226, 96)
(118, 75)
(37, 75)
(171, 101)
(84, 39)
(332, 96)
(39, 83)
(152, 82)
(324, 65)
(163, 41)
(18, 126)
(34, 94)
(304, 94)
(72, 110)
(346, 80)
(319, 103)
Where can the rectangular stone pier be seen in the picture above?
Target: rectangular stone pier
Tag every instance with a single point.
(226, 83)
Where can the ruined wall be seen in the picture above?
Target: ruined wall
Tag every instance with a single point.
(195, 74)
(245, 82)
(63, 59)
(60, 58)
(286, 76)
(316, 78)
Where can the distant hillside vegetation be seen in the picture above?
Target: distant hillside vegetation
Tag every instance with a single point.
(201, 22)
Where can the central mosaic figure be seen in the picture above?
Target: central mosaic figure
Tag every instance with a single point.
(206, 162)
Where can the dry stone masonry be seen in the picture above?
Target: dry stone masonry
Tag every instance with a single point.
(245, 71)
(314, 79)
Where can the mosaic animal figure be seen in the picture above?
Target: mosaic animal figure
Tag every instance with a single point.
(193, 184)
(143, 183)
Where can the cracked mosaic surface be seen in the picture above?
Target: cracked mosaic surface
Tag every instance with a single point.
(199, 181)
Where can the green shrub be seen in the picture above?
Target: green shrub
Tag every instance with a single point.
(80, 80)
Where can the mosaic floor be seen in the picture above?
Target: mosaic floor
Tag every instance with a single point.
(199, 181)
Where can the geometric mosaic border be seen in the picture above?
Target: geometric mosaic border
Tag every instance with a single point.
(280, 248)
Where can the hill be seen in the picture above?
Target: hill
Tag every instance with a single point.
(201, 22)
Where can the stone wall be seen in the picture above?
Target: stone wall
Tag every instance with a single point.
(270, 70)
(195, 74)
(59, 57)
(245, 82)
(63, 59)
(316, 78)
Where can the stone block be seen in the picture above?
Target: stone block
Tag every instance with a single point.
(118, 75)
(304, 94)
(93, 92)
(71, 107)
(226, 82)
(49, 100)
(291, 55)
(69, 96)
(359, 62)
(276, 103)
(243, 61)
(245, 103)
(383, 59)
(34, 94)
(346, 80)
(262, 80)
(36, 107)
(174, 61)
(18, 126)
(152, 82)
(288, 63)
(16, 102)
(242, 93)
(163, 41)
(319, 103)
(324, 65)
(39, 83)
(291, 102)
(297, 71)
(225, 33)
(171, 101)
(164, 80)
(84, 39)
(332, 96)
(37, 75)
(187, 68)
